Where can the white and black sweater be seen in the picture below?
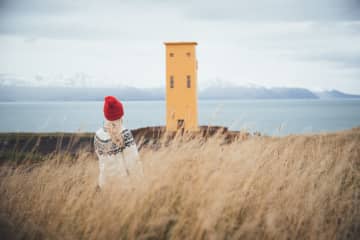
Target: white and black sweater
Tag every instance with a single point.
(115, 160)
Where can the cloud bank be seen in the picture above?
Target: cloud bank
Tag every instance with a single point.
(311, 44)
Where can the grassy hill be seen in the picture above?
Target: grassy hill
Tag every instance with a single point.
(258, 187)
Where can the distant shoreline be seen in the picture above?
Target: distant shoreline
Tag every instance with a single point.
(201, 99)
(156, 130)
(18, 147)
(28, 93)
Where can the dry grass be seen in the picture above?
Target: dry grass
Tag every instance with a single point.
(295, 187)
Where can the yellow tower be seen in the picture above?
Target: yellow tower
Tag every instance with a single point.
(181, 86)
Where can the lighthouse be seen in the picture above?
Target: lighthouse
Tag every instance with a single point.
(181, 86)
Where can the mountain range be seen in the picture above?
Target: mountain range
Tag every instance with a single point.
(27, 93)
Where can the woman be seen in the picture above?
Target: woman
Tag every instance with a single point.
(115, 145)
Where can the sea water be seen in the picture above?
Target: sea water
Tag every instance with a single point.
(272, 117)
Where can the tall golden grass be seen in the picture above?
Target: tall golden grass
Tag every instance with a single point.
(294, 187)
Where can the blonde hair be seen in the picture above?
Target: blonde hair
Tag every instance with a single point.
(114, 128)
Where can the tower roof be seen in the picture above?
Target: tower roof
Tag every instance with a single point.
(180, 43)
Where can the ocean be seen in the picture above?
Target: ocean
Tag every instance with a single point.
(271, 117)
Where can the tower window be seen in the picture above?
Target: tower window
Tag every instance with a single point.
(171, 81)
(188, 81)
(171, 54)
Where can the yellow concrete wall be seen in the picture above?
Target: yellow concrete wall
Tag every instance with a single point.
(181, 102)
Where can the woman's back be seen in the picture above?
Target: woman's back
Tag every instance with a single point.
(116, 150)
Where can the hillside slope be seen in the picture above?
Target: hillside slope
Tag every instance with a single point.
(294, 187)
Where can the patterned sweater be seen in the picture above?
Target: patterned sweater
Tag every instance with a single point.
(114, 160)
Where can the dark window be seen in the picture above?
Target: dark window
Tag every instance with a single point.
(171, 81)
(188, 81)
(188, 54)
(171, 54)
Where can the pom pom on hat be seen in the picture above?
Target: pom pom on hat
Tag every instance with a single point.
(113, 108)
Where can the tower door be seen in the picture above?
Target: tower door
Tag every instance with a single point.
(180, 123)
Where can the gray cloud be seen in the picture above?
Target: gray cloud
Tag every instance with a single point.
(276, 10)
(25, 15)
(40, 7)
(340, 60)
(80, 19)
(57, 29)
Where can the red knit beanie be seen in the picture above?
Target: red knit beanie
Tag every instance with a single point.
(113, 108)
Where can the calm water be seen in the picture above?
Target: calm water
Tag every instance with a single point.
(274, 117)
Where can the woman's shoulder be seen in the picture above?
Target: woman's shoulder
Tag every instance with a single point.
(103, 144)
(102, 135)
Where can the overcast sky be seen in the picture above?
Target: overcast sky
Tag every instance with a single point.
(295, 43)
